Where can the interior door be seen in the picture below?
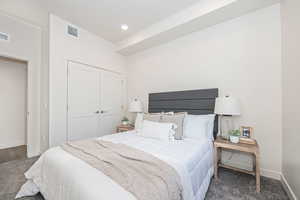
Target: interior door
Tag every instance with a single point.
(112, 101)
(83, 101)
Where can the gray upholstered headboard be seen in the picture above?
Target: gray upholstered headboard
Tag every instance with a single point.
(196, 102)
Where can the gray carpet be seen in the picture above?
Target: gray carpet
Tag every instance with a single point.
(14, 153)
(231, 185)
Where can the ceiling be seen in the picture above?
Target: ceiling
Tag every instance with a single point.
(104, 17)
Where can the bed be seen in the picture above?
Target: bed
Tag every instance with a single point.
(58, 175)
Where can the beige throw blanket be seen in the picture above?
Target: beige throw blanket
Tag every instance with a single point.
(140, 173)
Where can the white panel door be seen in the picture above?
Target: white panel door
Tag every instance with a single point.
(83, 101)
(112, 100)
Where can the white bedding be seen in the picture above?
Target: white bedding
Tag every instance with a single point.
(60, 176)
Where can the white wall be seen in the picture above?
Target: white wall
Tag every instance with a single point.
(88, 49)
(241, 57)
(13, 102)
(101, 52)
(32, 12)
(291, 95)
(25, 44)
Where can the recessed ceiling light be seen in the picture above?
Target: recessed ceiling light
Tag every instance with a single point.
(124, 27)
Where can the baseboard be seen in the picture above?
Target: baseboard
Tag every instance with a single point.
(288, 188)
(12, 145)
(271, 174)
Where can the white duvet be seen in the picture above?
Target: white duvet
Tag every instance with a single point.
(60, 176)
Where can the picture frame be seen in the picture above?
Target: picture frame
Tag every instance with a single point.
(246, 132)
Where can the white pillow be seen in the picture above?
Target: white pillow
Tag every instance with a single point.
(211, 125)
(157, 130)
(199, 126)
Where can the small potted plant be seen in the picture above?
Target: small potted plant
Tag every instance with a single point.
(234, 136)
(125, 121)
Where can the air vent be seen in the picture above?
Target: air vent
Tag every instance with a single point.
(4, 37)
(72, 31)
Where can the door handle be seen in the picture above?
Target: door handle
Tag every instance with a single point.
(103, 111)
(97, 112)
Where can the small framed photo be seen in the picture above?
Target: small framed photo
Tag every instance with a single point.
(246, 132)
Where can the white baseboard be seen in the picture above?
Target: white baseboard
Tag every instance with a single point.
(288, 188)
(12, 144)
(271, 174)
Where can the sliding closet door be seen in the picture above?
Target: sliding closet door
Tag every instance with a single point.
(83, 101)
(112, 99)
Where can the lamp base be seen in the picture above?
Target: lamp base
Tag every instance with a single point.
(225, 137)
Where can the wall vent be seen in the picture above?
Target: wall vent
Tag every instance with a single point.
(4, 37)
(72, 31)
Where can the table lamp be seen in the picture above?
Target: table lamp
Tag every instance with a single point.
(226, 106)
(135, 106)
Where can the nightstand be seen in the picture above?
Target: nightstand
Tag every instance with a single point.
(124, 128)
(253, 149)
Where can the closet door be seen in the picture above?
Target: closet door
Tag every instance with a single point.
(83, 101)
(112, 100)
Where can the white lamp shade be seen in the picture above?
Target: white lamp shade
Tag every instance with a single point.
(136, 106)
(227, 106)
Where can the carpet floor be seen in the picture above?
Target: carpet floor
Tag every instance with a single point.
(230, 186)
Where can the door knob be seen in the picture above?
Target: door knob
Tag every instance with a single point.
(103, 111)
(97, 112)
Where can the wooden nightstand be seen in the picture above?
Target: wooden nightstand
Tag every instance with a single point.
(253, 149)
(124, 128)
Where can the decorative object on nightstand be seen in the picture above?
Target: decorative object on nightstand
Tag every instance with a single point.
(124, 128)
(234, 136)
(226, 106)
(247, 131)
(220, 144)
(125, 121)
(246, 135)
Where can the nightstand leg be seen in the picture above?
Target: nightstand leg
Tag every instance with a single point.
(254, 161)
(216, 163)
(257, 169)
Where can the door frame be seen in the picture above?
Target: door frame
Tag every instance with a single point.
(32, 107)
(100, 69)
(36, 137)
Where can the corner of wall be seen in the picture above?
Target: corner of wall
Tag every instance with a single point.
(288, 188)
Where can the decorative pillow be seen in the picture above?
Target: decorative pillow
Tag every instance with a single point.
(175, 118)
(196, 126)
(157, 130)
(155, 117)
